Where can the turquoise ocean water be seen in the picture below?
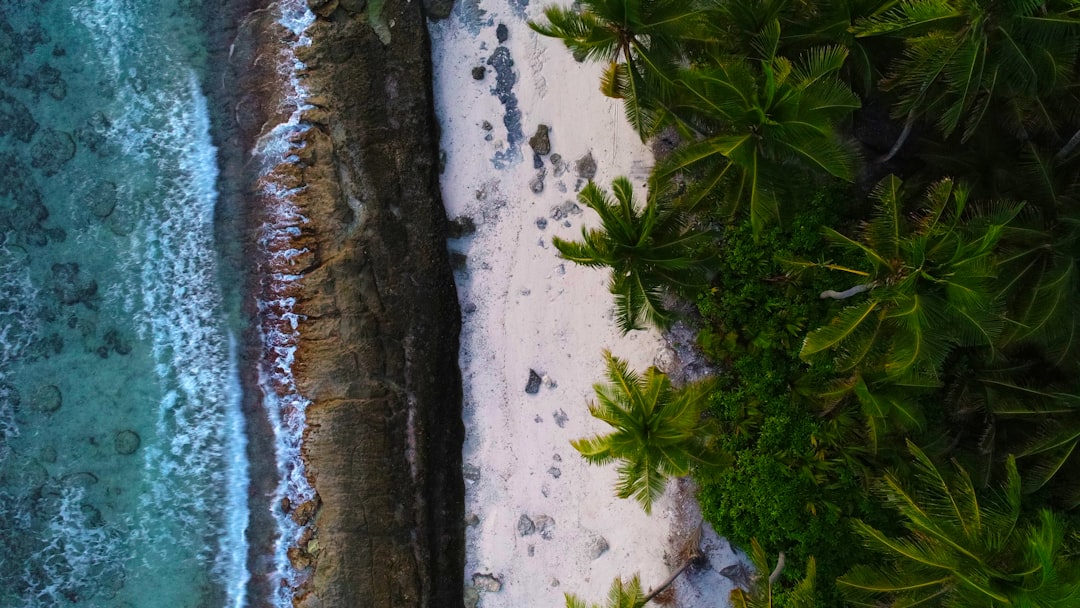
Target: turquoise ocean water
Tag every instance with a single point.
(123, 480)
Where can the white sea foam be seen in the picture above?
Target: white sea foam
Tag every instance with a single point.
(284, 403)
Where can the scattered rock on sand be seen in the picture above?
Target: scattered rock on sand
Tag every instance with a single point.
(487, 582)
(525, 525)
(471, 472)
(533, 385)
(478, 73)
(546, 526)
(598, 547)
(537, 183)
(460, 226)
(560, 418)
(472, 520)
(586, 167)
(555, 472)
(472, 597)
(564, 210)
(541, 223)
(541, 140)
(502, 33)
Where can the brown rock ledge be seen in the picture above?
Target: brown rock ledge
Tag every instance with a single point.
(379, 332)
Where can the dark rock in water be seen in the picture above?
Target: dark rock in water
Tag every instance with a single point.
(15, 119)
(82, 479)
(49, 80)
(541, 140)
(91, 516)
(586, 167)
(46, 399)
(116, 341)
(525, 525)
(502, 33)
(34, 36)
(52, 150)
(126, 442)
(459, 261)
(92, 134)
(11, 53)
(101, 200)
(70, 286)
(21, 475)
(533, 386)
(479, 72)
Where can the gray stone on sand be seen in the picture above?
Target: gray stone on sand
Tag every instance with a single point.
(586, 167)
(525, 525)
(598, 547)
(541, 140)
(533, 385)
(487, 582)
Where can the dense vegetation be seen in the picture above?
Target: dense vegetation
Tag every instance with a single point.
(876, 207)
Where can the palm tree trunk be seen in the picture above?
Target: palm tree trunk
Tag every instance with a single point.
(847, 293)
(1069, 146)
(670, 579)
(900, 140)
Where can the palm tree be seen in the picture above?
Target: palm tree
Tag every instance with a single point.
(760, 122)
(760, 594)
(658, 430)
(641, 41)
(929, 285)
(623, 594)
(962, 549)
(650, 251)
(963, 57)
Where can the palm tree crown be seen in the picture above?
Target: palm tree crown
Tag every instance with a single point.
(658, 431)
(962, 550)
(929, 284)
(648, 250)
(640, 39)
(962, 55)
(761, 119)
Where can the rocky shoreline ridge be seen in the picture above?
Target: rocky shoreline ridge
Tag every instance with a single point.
(375, 302)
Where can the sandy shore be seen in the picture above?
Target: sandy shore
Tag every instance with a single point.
(542, 522)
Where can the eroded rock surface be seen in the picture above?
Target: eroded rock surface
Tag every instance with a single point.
(378, 315)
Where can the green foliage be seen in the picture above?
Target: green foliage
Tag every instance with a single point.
(764, 591)
(658, 431)
(649, 250)
(930, 276)
(964, 57)
(623, 594)
(963, 549)
(641, 41)
(758, 122)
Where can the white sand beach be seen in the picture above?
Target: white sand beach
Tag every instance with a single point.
(539, 516)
